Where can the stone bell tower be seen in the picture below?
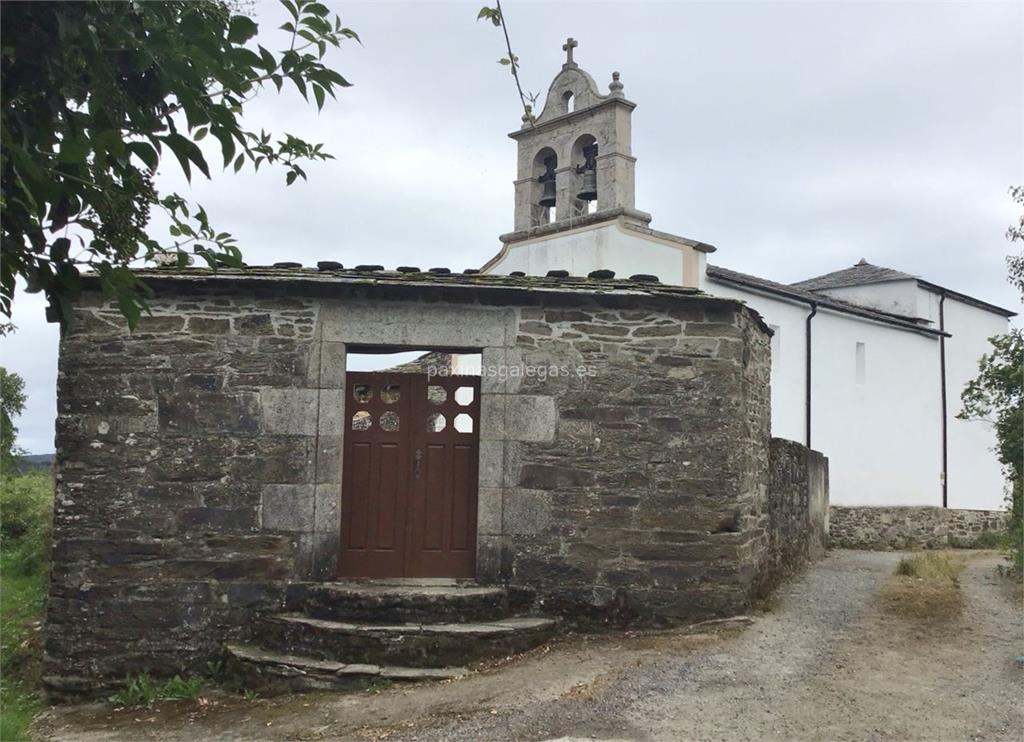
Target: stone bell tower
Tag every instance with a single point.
(575, 191)
(575, 158)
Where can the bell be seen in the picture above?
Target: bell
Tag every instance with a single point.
(589, 190)
(547, 196)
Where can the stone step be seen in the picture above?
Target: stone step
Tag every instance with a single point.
(271, 673)
(393, 602)
(429, 645)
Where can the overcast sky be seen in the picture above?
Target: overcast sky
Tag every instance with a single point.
(795, 137)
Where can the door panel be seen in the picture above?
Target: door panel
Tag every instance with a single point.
(443, 499)
(389, 502)
(375, 476)
(409, 490)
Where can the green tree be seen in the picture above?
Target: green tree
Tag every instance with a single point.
(1016, 234)
(12, 403)
(997, 395)
(97, 93)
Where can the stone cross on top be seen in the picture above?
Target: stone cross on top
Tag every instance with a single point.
(567, 47)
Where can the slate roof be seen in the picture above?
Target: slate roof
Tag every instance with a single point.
(330, 273)
(864, 273)
(821, 300)
(860, 274)
(410, 282)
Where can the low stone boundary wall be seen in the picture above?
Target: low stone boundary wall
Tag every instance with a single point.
(797, 510)
(910, 527)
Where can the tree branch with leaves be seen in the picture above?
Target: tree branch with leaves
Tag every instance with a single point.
(497, 17)
(95, 96)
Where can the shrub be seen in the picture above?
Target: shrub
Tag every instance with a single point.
(26, 503)
(992, 540)
(26, 514)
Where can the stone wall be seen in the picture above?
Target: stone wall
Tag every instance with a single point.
(910, 527)
(639, 493)
(179, 460)
(797, 509)
(199, 458)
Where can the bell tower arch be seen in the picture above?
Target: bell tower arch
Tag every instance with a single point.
(589, 134)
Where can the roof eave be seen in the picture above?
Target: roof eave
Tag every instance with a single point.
(979, 303)
(824, 303)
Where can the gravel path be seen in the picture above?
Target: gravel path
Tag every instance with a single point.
(824, 663)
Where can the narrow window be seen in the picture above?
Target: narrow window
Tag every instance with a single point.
(570, 102)
(862, 370)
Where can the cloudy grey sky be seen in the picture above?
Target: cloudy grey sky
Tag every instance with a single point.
(796, 137)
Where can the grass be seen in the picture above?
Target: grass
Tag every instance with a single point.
(143, 691)
(26, 503)
(1000, 540)
(925, 586)
(931, 565)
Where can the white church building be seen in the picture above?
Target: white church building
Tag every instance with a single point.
(868, 362)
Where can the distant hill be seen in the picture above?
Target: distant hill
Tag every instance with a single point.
(35, 462)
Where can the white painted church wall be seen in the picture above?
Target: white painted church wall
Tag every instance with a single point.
(976, 480)
(878, 419)
(604, 247)
(882, 435)
(895, 297)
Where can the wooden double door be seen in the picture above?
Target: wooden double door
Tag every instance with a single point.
(409, 480)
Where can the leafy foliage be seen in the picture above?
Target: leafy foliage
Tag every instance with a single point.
(12, 403)
(997, 395)
(137, 691)
(1016, 234)
(26, 504)
(96, 94)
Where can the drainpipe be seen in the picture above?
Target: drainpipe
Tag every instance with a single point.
(942, 375)
(807, 375)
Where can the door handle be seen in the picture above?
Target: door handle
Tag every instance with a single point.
(417, 461)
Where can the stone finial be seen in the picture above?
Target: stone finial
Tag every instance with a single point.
(567, 47)
(615, 86)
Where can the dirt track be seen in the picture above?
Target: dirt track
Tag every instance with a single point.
(824, 663)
